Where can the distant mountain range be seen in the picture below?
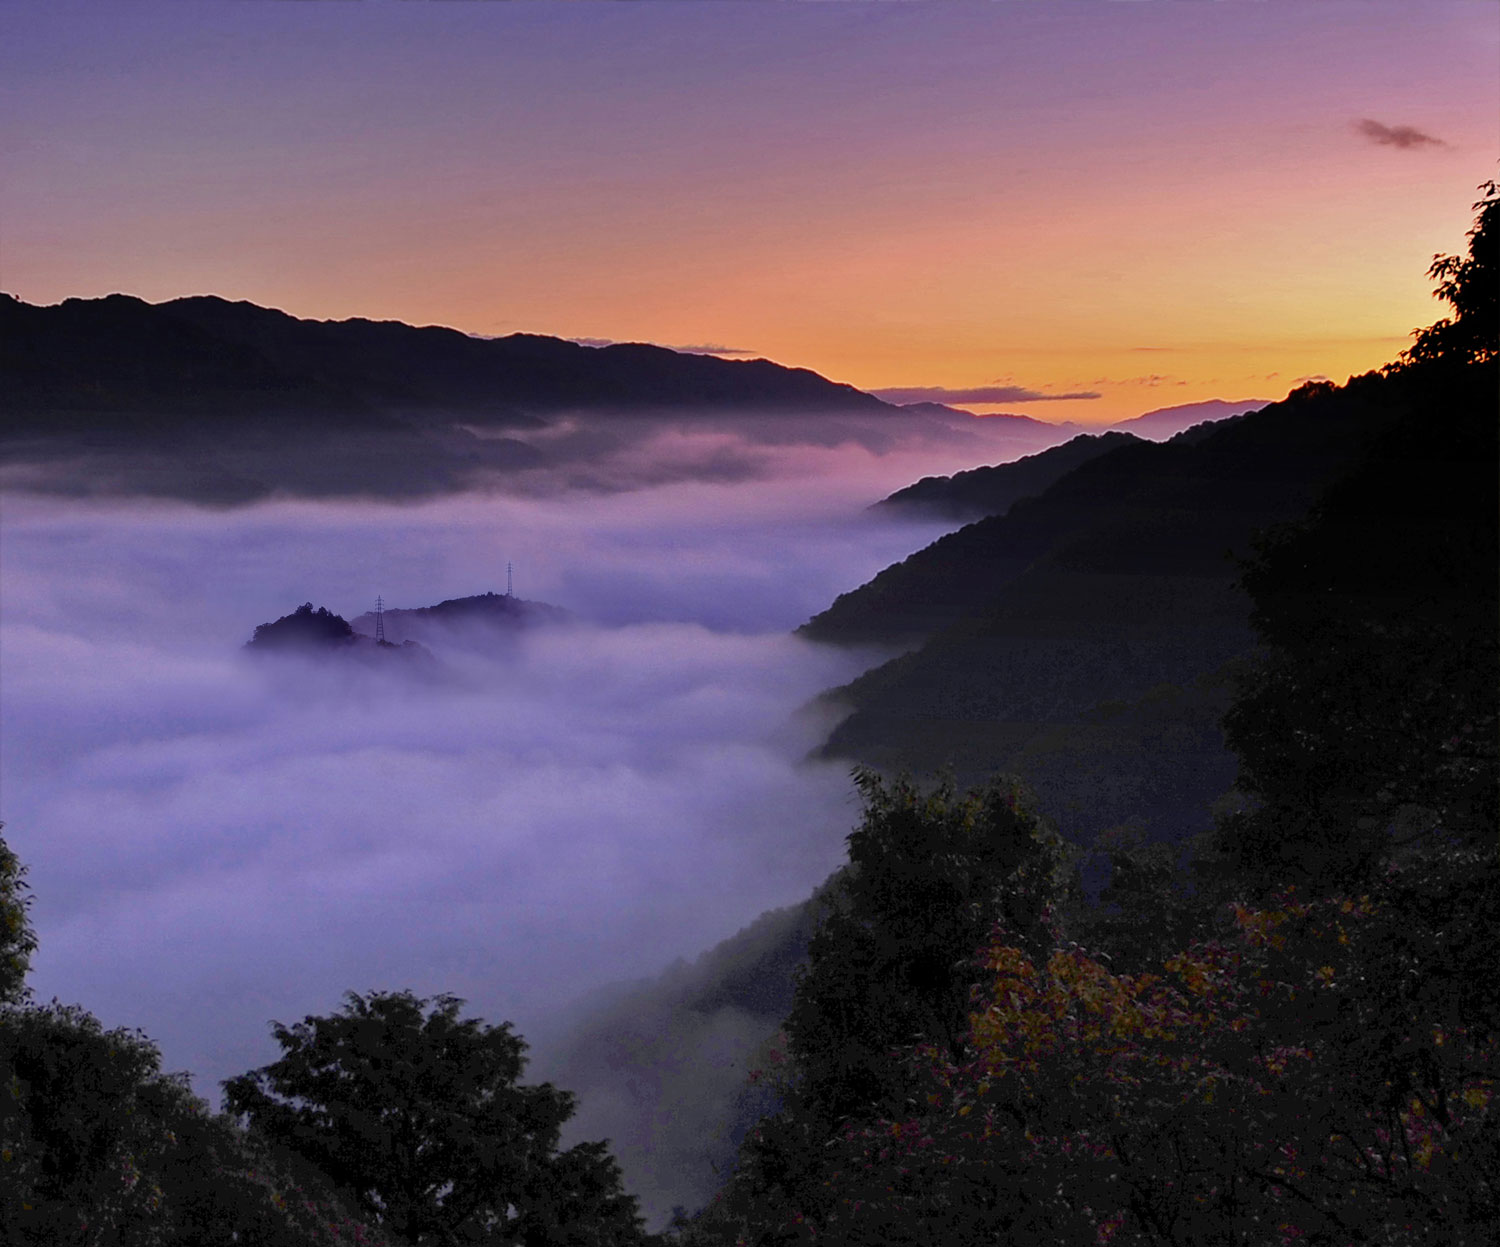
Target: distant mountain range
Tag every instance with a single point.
(207, 357)
(1007, 424)
(1167, 422)
(991, 490)
(226, 403)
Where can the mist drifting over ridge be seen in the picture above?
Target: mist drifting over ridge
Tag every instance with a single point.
(215, 841)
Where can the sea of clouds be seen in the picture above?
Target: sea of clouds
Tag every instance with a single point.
(215, 841)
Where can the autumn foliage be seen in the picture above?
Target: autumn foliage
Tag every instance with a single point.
(1260, 1088)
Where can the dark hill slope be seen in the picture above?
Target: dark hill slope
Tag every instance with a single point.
(1255, 470)
(1087, 632)
(396, 364)
(994, 490)
(74, 364)
(121, 354)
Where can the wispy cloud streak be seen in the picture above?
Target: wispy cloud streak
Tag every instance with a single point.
(975, 394)
(695, 348)
(1406, 138)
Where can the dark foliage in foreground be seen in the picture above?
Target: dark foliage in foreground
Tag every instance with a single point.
(420, 1115)
(1310, 1071)
(411, 1130)
(98, 1146)
(1373, 706)
(17, 940)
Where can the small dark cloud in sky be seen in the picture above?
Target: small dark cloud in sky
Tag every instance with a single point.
(701, 348)
(1151, 348)
(976, 394)
(1405, 137)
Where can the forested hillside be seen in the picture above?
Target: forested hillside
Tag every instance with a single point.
(1289, 1032)
(1084, 639)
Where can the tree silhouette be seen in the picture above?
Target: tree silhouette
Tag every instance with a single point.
(1471, 284)
(420, 1115)
(1372, 719)
(17, 940)
(930, 875)
(304, 628)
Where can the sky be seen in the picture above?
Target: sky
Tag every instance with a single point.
(1073, 211)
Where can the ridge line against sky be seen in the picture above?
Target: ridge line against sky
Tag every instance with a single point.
(1156, 204)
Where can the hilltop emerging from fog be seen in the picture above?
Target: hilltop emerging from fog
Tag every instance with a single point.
(502, 612)
(310, 630)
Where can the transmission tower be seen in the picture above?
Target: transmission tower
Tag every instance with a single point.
(508, 571)
(379, 620)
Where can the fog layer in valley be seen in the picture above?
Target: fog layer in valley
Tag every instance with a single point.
(215, 460)
(216, 841)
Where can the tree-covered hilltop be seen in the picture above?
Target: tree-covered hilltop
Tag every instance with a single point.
(305, 628)
(316, 632)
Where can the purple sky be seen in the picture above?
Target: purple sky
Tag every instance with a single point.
(959, 196)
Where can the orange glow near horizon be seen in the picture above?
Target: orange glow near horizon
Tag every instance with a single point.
(1159, 208)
